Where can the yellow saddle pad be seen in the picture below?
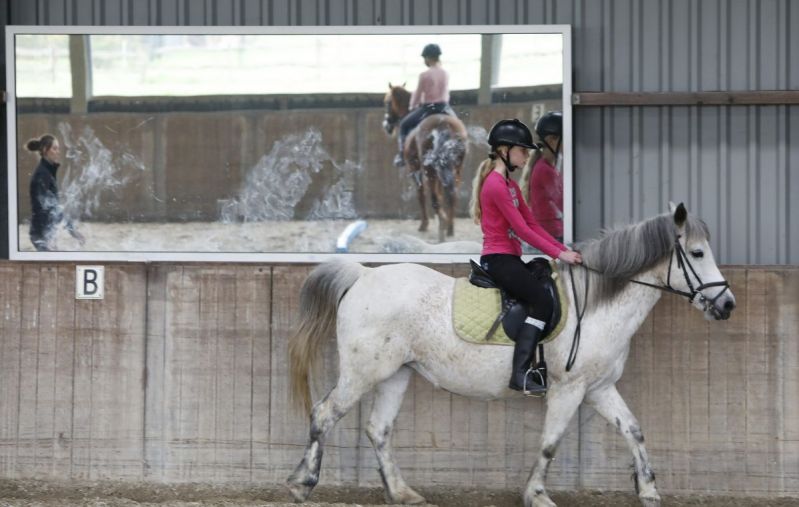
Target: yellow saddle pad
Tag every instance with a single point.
(475, 309)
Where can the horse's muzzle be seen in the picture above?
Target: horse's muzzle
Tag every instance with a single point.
(388, 126)
(722, 309)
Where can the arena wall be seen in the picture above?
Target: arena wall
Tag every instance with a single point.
(180, 375)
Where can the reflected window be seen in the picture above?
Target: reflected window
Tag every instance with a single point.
(42, 66)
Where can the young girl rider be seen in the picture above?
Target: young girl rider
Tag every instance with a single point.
(506, 220)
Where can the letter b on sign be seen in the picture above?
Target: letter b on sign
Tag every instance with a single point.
(89, 281)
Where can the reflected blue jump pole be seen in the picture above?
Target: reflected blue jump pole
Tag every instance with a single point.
(350, 233)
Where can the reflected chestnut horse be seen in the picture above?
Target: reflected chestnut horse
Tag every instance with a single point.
(434, 153)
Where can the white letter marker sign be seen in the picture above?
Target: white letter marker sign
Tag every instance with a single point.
(89, 282)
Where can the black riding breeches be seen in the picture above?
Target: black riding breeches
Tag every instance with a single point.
(415, 117)
(510, 273)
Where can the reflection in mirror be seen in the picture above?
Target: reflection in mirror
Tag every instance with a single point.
(266, 143)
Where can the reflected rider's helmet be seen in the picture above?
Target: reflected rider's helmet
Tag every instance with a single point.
(431, 51)
(511, 133)
(551, 124)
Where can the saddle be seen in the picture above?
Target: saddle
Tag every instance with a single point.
(513, 312)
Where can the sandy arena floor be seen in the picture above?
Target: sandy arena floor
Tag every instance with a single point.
(27, 493)
(380, 236)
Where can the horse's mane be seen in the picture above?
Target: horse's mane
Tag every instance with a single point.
(622, 253)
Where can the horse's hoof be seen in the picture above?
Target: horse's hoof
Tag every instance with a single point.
(651, 500)
(540, 501)
(408, 497)
(538, 498)
(299, 491)
(423, 227)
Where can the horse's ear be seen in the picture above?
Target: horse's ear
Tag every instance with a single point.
(389, 85)
(405, 83)
(672, 207)
(680, 214)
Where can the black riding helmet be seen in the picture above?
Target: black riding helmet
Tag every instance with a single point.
(511, 133)
(551, 124)
(431, 51)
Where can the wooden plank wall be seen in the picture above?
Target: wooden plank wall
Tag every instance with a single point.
(180, 374)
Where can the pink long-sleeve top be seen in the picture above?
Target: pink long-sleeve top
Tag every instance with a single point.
(506, 220)
(433, 87)
(546, 197)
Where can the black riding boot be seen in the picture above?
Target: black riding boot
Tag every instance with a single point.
(523, 377)
(399, 158)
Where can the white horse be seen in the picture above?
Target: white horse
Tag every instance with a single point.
(396, 319)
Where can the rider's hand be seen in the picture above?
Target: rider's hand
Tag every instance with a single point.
(571, 257)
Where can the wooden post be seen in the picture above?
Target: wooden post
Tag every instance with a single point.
(489, 66)
(80, 64)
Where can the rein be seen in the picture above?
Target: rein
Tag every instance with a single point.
(682, 263)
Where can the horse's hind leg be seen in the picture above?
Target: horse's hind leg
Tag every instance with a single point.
(324, 416)
(439, 203)
(610, 405)
(450, 195)
(387, 402)
(418, 179)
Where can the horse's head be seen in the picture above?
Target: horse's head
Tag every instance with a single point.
(396, 102)
(692, 270)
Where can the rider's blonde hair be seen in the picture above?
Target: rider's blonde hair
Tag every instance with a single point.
(486, 166)
(477, 185)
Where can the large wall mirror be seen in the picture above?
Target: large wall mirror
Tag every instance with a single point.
(267, 144)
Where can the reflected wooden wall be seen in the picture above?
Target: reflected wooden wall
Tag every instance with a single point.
(192, 161)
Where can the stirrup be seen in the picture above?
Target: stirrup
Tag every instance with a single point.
(539, 389)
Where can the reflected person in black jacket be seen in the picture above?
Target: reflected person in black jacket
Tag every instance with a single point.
(47, 210)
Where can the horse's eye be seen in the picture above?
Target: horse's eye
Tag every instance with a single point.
(697, 254)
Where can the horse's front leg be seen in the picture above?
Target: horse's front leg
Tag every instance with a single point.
(562, 403)
(610, 405)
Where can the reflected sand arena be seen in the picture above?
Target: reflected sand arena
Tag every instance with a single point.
(284, 236)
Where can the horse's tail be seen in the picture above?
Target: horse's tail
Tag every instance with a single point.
(319, 299)
(447, 152)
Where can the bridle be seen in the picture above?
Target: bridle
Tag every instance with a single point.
(683, 264)
(391, 117)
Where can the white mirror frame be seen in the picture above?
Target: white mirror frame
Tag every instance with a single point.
(267, 257)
